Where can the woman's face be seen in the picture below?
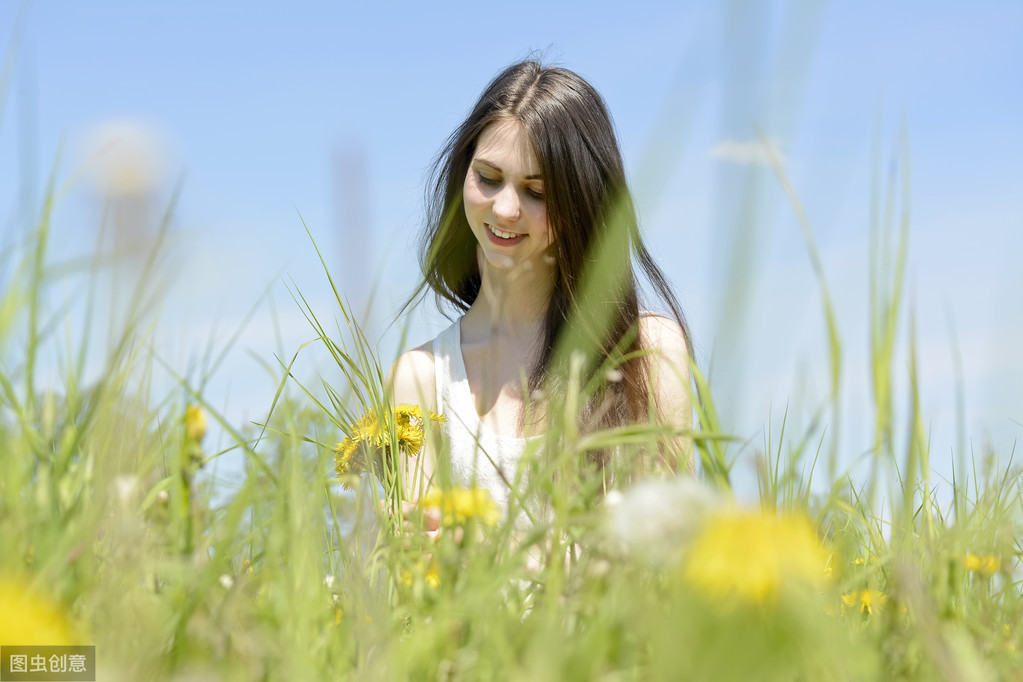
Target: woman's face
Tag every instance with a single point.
(504, 200)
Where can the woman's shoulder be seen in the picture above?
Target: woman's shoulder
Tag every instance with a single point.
(412, 378)
(662, 334)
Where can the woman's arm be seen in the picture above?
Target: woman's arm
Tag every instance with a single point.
(411, 380)
(670, 384)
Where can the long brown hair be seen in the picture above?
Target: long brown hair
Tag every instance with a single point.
(595, 232)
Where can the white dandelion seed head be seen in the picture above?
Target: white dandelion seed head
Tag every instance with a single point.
(126, 157)
(126, 487)
(613, 499)
(653, 519)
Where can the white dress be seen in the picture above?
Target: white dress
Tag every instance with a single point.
(478, 456)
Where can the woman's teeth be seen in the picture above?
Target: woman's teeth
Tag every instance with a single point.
(502, 235)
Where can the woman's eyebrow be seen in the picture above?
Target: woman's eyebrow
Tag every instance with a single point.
(491, 164)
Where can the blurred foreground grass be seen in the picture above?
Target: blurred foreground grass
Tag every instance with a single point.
(109, 537)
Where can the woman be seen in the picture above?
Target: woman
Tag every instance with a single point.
(531, 235)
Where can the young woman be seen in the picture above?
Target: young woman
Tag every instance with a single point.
(531, 237)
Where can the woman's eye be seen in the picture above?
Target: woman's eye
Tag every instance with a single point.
(536, 194)
(487, 180)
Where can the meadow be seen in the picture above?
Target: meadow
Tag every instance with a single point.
(309, 569)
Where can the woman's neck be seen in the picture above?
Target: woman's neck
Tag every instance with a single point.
(511, 301)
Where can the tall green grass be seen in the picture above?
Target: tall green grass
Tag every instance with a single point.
(105, 512)
(108, 519)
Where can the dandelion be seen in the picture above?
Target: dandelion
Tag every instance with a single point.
(432, 577)
(430, 574)
(28, 619)
(458, 505)
(984, 564)
(753, 556)
(652, 519)
(126, 487)
(406, 423)
(195, 423)
(864, 601)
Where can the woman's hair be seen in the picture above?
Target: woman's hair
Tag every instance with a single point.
(594, 230)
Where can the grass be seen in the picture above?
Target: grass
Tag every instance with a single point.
(110, 537)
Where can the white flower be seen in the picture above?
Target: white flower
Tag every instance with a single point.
(653, 519)
(126, 157)
(126, 487)
(226, 581)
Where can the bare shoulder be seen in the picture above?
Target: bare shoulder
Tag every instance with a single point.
(411, 378)
(670, 381)
(669, 359)
(664, 335)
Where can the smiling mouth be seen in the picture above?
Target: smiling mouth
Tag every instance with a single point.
(502, 234)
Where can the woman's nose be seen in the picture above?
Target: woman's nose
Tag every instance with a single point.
(506, 204)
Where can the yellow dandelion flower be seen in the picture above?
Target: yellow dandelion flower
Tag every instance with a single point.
(458, 505)
(29, 619)
(405, 421)
(864, 601)
(195, 423)
(338, 615)
(430, 574)
(410, 438)
(343, 454)
(752, 556)
(410, 427)
(864, 561)
(984, 564)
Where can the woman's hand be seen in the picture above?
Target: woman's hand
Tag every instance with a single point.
(413, 511)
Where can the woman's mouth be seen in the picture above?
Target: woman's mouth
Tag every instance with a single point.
(503, 238)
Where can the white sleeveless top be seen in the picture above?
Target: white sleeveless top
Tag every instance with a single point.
(478, 456)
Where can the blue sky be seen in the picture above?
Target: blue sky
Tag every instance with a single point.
(255, 106)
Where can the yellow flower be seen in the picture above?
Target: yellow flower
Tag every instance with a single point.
(461, 504)
(195, 423)
(430, 574)
(409, 427)
(752, 556)
(863, 600)
(26, 618)
(985, 565)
